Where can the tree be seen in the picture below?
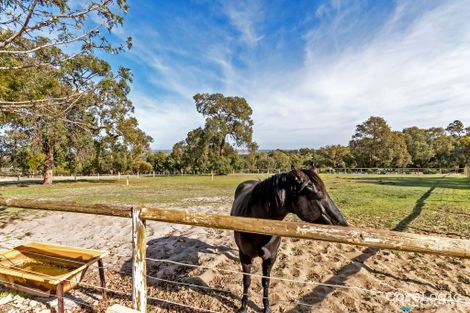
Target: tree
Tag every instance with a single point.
(228, 121)
(443, 147)
(333, 156)
(24, 51)
(194, 151)
(83, 24)
(174, 161)
(465, 143)
(398, 155)
(226, 118)
(375, 145)
(281, 160)
(264, 161)
(368, 142)
(101, 117)
(159, 161)
(456, 129)
(249, 161)
(419, 146)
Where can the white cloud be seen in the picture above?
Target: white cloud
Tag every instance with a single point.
(167, 121)
(413, 71)
(245, 16)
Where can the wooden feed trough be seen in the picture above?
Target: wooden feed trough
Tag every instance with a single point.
(45, 270)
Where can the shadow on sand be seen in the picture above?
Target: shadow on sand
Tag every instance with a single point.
(185, 250)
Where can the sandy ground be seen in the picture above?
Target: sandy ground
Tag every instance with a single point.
(380, 281)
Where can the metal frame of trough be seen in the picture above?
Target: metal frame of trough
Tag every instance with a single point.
(367, 237)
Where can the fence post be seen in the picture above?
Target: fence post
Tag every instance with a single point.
(139, 268)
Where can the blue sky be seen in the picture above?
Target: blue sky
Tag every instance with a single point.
(311, 70)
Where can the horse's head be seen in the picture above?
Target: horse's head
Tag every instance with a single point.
(310, 200)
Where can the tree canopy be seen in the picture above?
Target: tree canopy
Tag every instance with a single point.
(228, 124)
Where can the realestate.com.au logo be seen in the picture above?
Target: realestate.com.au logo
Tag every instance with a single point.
(407, 301)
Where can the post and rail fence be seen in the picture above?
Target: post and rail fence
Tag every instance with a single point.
(366, 237)
(467, 171)
(4, 176)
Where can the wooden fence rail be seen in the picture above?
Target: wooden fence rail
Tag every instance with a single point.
(367, 237)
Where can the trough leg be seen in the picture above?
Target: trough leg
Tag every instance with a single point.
(102, 279)
(60, 298)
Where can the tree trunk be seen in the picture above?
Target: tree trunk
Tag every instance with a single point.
(222, 147)
(47, 175)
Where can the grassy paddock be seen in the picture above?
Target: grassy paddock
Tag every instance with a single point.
(430, 204)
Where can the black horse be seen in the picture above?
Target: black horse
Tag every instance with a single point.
(301, 192)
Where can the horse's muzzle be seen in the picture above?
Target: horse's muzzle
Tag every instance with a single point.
(334, 214)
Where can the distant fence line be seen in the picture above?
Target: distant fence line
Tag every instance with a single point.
(268, 171)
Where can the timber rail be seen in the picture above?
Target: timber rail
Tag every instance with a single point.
(367, 237)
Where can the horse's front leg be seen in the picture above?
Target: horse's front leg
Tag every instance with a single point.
(267, 266)
(246, 266)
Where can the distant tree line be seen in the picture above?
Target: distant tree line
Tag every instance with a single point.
(373, 145)
(120, 147)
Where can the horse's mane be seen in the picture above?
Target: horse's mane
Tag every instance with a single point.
(271, 190)
(274, 192)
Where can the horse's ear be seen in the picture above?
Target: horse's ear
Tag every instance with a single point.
(292, 167)
(312, 165)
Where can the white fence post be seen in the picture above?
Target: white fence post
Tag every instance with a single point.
(139, 268)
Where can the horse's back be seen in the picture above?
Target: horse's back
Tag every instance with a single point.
(241, 196)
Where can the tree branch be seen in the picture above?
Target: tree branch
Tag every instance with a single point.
(23, 28)
(43, 64)
(55, 18)
(37, 103)
(57, 43)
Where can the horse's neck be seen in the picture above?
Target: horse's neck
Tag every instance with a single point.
(272, 195)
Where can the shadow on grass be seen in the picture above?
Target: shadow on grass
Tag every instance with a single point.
(319, 293)
(174, 277)
(420, 181)
(404, 223)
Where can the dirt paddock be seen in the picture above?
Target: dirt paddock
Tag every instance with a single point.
(387, 281)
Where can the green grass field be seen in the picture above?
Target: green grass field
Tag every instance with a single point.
(428, 204)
